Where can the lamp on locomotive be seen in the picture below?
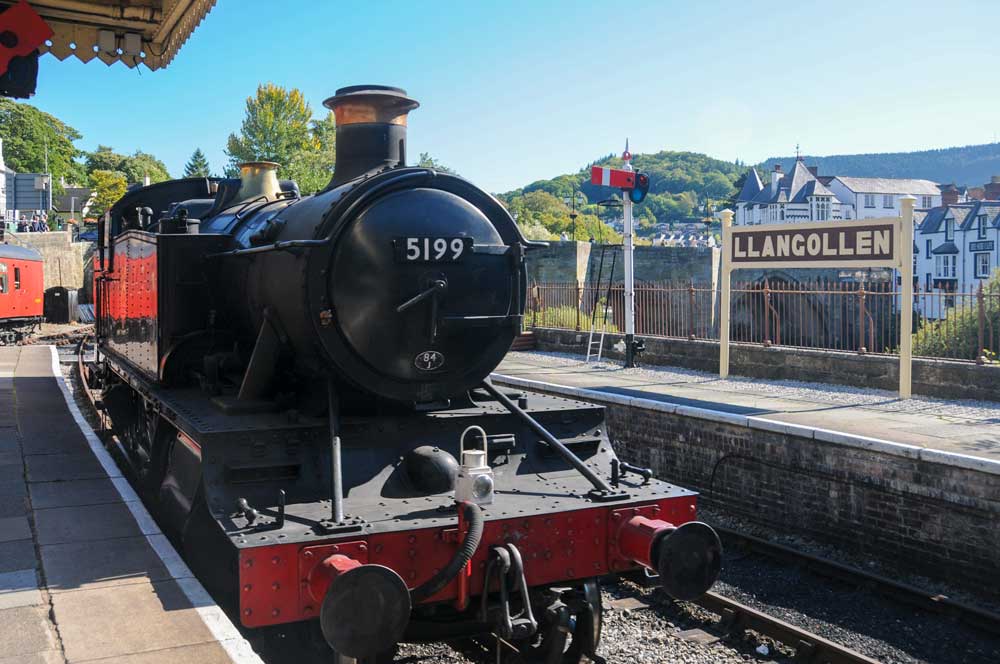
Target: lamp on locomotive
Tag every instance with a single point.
(638, 193)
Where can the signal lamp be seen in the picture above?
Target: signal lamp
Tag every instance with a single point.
(638, 193)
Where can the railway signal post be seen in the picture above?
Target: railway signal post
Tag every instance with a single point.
(634, 186)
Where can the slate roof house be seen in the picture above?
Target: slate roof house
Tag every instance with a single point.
(790, 197)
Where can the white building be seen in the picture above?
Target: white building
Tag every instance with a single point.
(879, 197)
(804, 195)
(792, 197)
(956, 251)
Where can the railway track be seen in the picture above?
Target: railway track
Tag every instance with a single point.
(951, 609)
(737, 617)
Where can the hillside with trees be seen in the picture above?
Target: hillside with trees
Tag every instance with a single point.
(681, 184)
(970, 165)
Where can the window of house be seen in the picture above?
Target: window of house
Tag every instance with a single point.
(944, 266)
(926, 201)
(949, 229)
(928, 281)
(982, 266)
(822, 208)
(982, 227)
(869, 200)
(17, 278)
(928, 252)
(887, 200)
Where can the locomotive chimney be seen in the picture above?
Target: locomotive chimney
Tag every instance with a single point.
(371, 128)
(258, 179)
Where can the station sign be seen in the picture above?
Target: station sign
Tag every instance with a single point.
(886, 242)
(826, 244)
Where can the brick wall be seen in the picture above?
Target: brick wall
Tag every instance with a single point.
(936, 378)
(922, 510)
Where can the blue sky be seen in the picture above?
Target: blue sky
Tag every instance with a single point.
(516, 91)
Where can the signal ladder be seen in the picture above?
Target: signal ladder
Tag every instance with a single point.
(596, 348)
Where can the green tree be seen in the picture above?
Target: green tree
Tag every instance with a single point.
(278, 126)
(197, 166)
(135, 167)
(312, 168)
(109, 186)
(31, 137)
(427, 161)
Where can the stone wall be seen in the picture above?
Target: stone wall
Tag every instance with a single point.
(63, 259)
(931, 512)
(935, 378)
(569, 262)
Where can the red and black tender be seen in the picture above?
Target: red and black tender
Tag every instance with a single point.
(301, 386)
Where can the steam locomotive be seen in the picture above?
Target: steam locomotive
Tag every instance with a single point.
(300, 387)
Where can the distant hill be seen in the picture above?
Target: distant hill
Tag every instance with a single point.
(970, 165)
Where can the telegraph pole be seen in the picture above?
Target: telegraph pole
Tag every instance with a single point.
(628, 248)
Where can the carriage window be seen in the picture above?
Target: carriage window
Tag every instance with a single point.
(17, 278)
(3, 278)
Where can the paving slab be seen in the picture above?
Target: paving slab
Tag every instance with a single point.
(74, 493)
(204, 653)
(112, 562)
(86, 523)
(14, 528)
(8, 439)
(146, 617)
(26, 630)
(18, 554)
(63, 467)
(19, 588)
(11, 471)
(13, 505)
(47, 657)
(13, 489)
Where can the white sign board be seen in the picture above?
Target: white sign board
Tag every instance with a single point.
(864, 243)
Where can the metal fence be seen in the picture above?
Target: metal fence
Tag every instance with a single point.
(827, 315)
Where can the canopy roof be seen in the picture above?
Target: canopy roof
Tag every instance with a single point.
(135, 32)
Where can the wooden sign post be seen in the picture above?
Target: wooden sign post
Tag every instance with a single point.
(864, 243)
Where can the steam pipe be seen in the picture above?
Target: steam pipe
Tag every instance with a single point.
(553, 442)
(336, 476)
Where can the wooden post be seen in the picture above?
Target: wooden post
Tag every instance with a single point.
(727, 238)
(906, 298)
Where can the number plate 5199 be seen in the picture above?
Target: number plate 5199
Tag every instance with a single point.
(432, 249)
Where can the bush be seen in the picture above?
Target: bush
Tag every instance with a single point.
(957, 334)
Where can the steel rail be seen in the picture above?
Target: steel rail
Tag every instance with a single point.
(973, 616)
(809, 647)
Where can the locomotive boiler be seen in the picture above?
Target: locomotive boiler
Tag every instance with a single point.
(300, 387)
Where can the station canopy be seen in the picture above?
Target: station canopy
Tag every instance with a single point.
(134, 32)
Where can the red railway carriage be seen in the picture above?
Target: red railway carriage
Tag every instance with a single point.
(21, 292)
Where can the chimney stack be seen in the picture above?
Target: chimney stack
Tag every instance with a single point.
(992, 188)
(776, 176)
(949, 195)
(371, 129)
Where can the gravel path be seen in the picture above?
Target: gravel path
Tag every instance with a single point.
(840, 395)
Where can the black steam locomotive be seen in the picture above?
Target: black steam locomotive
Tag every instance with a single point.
(300, 386)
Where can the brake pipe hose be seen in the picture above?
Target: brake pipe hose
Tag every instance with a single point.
(473, 516)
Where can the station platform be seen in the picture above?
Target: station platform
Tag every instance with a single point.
(914, 484)
(85, 573)
(959, 427)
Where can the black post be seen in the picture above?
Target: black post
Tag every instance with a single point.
(336, 478)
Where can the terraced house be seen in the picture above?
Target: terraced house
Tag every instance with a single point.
(956, 249)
